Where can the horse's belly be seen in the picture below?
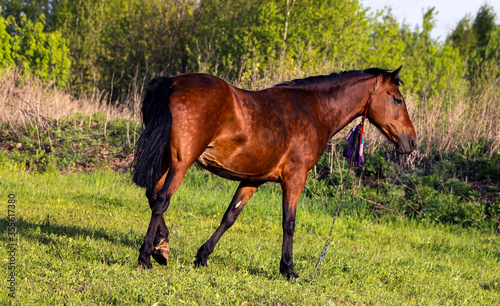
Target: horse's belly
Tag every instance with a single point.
(237, 166)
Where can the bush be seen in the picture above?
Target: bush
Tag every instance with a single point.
(28, 46)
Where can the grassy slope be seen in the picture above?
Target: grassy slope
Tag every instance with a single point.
(80, 234)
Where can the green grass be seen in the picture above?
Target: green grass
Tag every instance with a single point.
(460, 187)
(79, 235)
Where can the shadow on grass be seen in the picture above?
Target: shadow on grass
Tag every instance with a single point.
(43, 232)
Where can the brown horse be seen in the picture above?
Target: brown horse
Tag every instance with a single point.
(271, 135)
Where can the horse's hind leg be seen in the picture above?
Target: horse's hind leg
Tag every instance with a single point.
(173, 180)
(241, 197)
(161, 242)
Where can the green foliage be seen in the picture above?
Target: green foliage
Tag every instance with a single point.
(115, 43)
(31, 9)
(82, 23)
(256, 37)
(478, 41)
(28, 46)
(460, 188)
(388, 47)
(434, 67)
(376, 166)
(5, 44)
(463, 37)
(331, 30)
(483, 26)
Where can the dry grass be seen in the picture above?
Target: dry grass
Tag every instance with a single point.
(461, 120)
(27, 102)
(444, 126)
(454, 120)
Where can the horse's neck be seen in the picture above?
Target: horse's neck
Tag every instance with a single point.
(343, 104)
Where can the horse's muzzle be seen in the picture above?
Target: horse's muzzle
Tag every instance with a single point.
(406, 145)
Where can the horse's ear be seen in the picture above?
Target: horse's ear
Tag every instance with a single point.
(395, 74)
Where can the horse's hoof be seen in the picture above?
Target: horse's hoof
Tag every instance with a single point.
(144, 265)
(199, 263)
(289, 273)
(161, 252)
(293, 276)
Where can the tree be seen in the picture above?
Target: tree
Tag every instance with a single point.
(483, 26)
(477, 41)
(464, 37)
(32, 9)
(5, 45)
(37, 52)
(387, 47)
(431, 67)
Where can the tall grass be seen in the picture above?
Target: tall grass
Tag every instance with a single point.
(444, 123)
(28, 102)
(455, 119)
(447, 123)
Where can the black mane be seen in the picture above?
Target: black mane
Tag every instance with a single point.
(323, 78)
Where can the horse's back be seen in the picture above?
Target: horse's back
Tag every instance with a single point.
(235, 133)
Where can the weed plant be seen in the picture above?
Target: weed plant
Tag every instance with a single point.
(452, 178)
(79, 234)
(421, 229)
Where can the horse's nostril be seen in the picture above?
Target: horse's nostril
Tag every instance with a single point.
(413, 144)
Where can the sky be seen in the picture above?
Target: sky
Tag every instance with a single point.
(449, 12)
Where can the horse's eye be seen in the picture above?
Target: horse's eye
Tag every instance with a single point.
(398, 100)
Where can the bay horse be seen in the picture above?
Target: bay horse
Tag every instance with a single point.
(271, 135)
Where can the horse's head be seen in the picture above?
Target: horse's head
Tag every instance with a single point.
(388, 112)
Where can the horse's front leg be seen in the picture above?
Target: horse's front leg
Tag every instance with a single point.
(292, 189)
(243, 194)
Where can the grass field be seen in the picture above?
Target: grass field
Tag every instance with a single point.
(79, 234)
(418, 230)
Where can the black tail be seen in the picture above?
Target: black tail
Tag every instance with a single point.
(151, 145)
